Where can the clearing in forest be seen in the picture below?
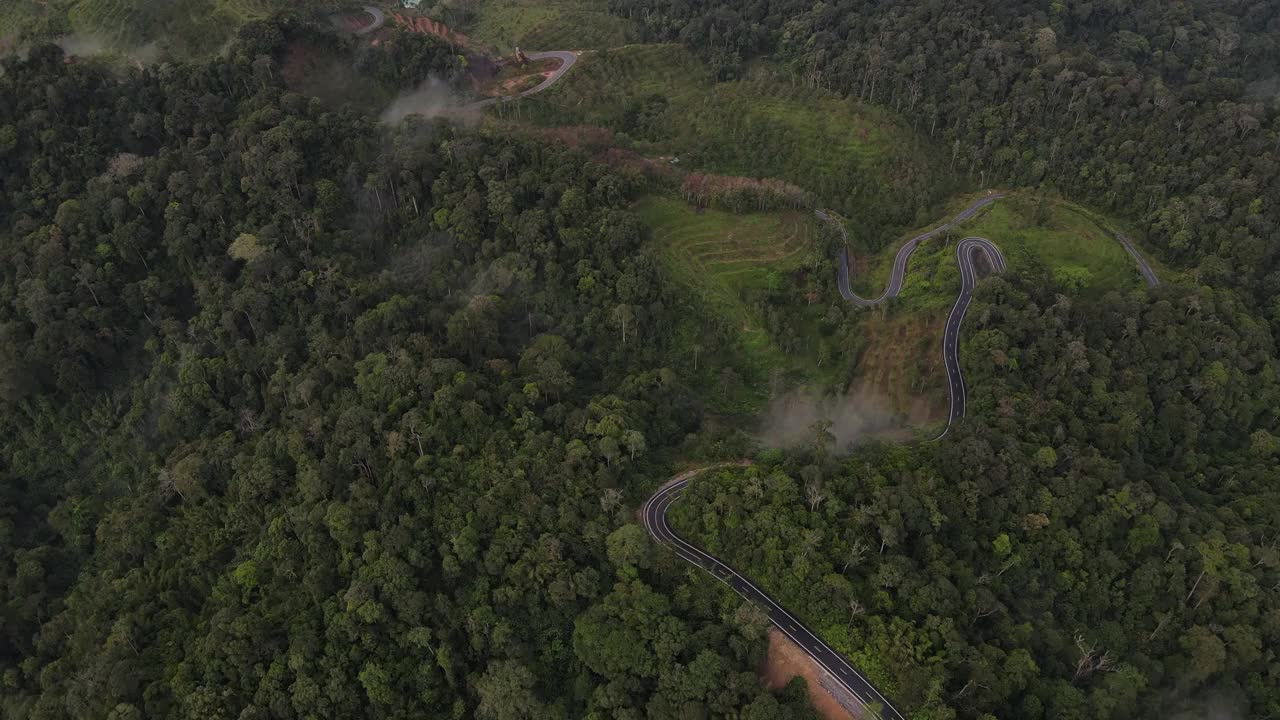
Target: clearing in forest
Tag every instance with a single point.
(663, 101)
(549, 25)
(731, 264)
(901, 361)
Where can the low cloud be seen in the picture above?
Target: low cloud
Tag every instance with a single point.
(790, 419)
(1224, 703)
(88, 45)
(433, 98)
(82, 44)
(1265, 89)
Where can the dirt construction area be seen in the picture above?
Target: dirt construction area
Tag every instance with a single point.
(785, 661)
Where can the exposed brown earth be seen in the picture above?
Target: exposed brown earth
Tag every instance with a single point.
(785, 661)
(512, 78)
(903, 362)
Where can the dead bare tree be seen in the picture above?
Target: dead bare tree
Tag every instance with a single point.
(417, 437)
(166, 487)
(856, 608)
(610, 500)
(248, 421)
(1091, 661)
(986, 612)
(365, 468)
(813, 493)
(968, 687)
(1161, 624)
(1193, 587)
(856, 553)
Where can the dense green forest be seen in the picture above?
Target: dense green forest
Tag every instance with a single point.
(1100, 541)
(303, 414)
(305, 417)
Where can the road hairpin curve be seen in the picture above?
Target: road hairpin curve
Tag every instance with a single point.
(654, 510)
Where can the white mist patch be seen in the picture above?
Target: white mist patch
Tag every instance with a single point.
(89, 45)
(433, 98)
(790, 419)
(1265, 89)
(82, 44)
(145, 54)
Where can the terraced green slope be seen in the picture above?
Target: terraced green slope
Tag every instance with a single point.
(855, 158)
(549, 25)
(731, 264)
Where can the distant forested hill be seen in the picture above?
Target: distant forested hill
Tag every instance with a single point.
(1157, 110)
(186, 28)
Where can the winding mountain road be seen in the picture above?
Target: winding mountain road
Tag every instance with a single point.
(845, 675)
(379, 19)
(567, 59)
(654, 511)
(966, 251)
(899, 260)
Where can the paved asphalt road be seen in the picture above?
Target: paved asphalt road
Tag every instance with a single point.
(567, 59)
(1143, 267)
(379, 19)
(844, 674)
(655, 508)
(965, 253)
(968, 249)
(899, 260)
(968, 279)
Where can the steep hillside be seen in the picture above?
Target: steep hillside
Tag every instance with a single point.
(187, 28)
(667, 103)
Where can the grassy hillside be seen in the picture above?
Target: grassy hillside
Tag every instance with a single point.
(732, 265)
(14, 16)
(665, 103)
(902, 341)
(1078, 248)
(549, 25)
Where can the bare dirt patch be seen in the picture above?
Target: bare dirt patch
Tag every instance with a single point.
(903, 362)
(785, 661)
(859, 264)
